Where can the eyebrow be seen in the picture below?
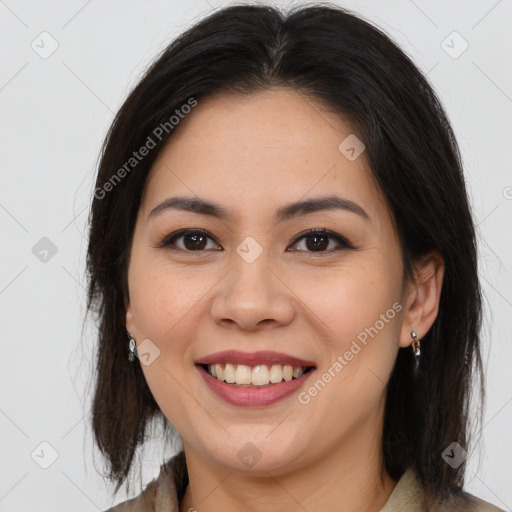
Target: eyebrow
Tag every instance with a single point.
(287, 212)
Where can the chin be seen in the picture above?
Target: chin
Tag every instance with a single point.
(257, 452)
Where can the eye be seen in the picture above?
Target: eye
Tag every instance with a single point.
(192, 240)
(319, 240)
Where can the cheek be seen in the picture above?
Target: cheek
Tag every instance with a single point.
(162, 300)
(359, 316)
(165, 305)
(358, 313)
(353, 303)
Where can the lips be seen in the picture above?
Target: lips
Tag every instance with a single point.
(282, 375)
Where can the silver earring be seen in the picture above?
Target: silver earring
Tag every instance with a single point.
(416, 346)
(132, 346)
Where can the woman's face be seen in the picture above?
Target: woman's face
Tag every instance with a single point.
(255, 281)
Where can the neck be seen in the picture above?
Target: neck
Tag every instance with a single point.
(350, 478)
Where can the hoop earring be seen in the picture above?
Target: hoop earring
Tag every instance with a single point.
(416, 347)
(132, 347)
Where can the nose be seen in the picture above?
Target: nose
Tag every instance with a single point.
(252, 296)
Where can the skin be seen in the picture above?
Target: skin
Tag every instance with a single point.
(283, 147)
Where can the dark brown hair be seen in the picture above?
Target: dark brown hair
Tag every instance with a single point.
(346, 63)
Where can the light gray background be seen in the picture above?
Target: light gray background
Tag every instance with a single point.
(54, 115)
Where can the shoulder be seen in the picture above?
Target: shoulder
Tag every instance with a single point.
(159, 495)
(477, 505)
(144, 502)
(408, 496)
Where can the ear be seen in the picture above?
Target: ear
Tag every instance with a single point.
(130, 326)
(421, 302)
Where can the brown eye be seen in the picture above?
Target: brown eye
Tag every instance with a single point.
(320, 241)
(191, 240)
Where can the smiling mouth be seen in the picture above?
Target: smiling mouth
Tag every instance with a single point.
(257, 376)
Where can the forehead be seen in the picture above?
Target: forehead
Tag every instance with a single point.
(272, 146)
(273, 120)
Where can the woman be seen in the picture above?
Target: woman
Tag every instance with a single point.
(281, 238)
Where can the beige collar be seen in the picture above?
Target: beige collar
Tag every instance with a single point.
(406, 496)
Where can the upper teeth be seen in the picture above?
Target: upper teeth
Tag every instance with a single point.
(259, 375)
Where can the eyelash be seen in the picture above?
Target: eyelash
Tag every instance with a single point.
(170, 240)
